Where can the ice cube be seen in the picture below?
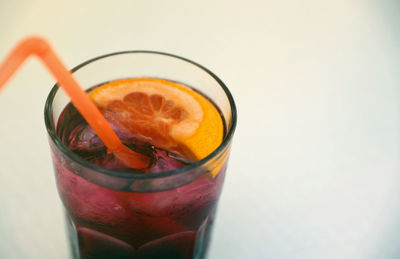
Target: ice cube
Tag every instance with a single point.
(89, 201)
(84, 138)
(165, 161)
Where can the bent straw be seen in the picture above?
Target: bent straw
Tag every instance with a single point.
(40, 48)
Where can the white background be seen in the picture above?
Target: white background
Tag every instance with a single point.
(314, 171)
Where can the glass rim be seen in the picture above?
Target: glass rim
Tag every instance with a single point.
(65, 150)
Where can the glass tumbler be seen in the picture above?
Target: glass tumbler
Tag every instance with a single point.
(112, 214)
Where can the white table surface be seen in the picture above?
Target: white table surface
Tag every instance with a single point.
(314, 171)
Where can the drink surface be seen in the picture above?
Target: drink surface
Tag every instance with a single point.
(149, 115)
(171, 124)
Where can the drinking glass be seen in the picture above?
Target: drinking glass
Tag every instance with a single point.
(112, 214)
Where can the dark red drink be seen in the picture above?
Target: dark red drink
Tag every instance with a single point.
(163, 211)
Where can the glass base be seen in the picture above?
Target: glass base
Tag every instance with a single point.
(86, 243)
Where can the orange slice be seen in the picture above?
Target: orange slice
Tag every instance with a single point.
(164, 113)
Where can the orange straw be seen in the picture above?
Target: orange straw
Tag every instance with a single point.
(39, 47)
